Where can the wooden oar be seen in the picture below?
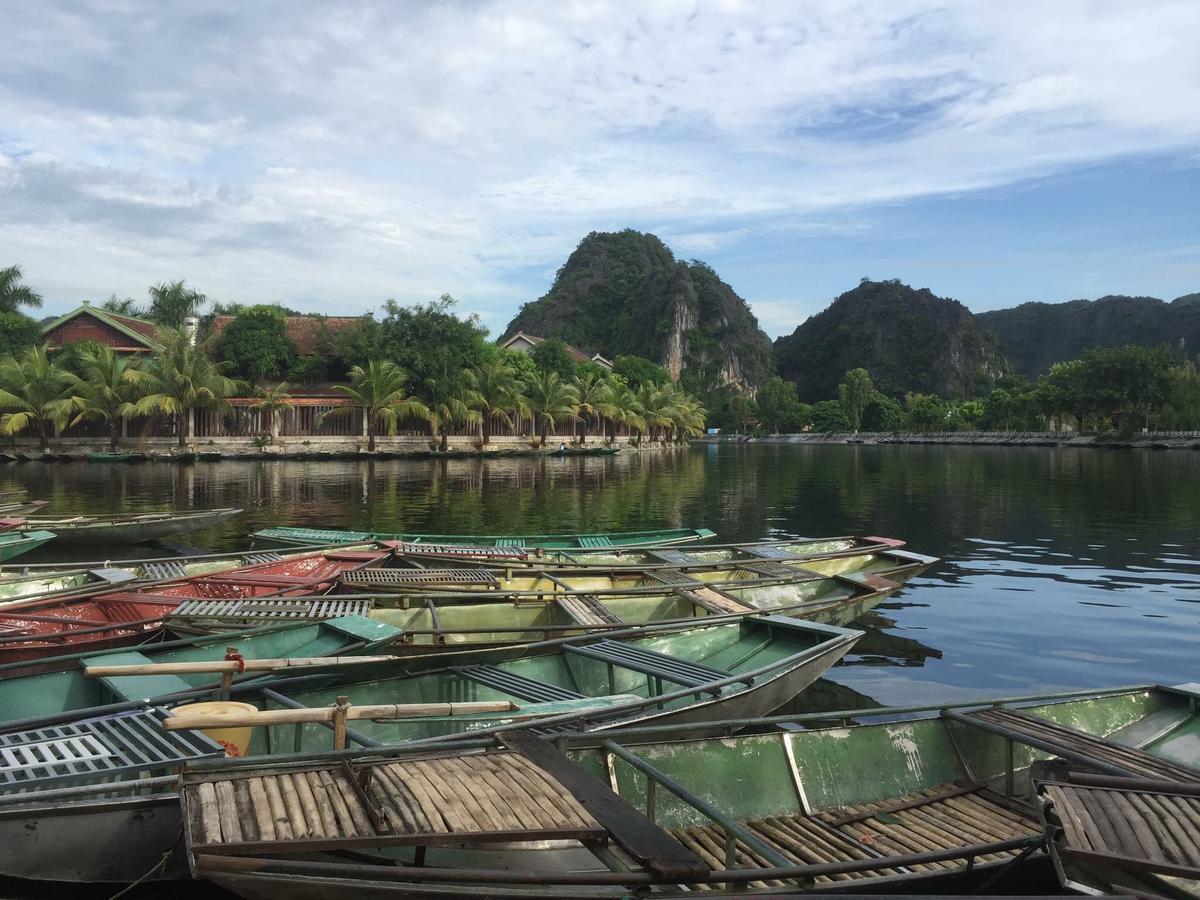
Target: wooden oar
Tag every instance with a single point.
(328, 714)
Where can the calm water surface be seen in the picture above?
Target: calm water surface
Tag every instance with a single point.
(1061, 568)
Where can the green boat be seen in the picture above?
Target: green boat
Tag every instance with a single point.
(14, 543)
(903, 800)
(305, 537)
(115, 457)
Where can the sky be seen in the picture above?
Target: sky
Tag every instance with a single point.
(331, 156)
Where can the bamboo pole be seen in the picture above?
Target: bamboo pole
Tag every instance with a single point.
(230, 666)
(329, 713)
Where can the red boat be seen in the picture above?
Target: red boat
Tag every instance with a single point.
(36, 630)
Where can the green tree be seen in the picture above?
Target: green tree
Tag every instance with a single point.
(854, 393)
(1060, 392)
(122, 306)
(309, 368)
(35, 393)
(550, 401)
(107, 391)
(494, 391)
(180, 379)
(447, 401)
(15, 293)
(273, 402)
(551, 355)
(1129, 381)
(173, 301)
(925, 412)
(829, 416)
(779, 407)
(1182, 409)
(256, 344)
(637, 371)
(18, 332)
(355, 345)
(594, 399)
(429, 341)
(883, 414)
(626, 407)
(379, 390)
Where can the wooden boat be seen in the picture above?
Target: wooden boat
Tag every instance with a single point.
(42, 580)
(118, 457)
(317, 536)
(14, 542)
(34, 631)
(698, 557)
(19, 507)
(131, 528)
(903, 800)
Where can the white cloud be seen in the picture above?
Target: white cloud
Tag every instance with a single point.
(331, 155)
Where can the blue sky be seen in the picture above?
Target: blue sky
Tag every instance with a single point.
(330, 156)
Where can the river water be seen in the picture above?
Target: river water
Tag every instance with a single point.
(1061, 568)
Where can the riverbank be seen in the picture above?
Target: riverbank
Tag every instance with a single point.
(1156, 440)
(404, 447)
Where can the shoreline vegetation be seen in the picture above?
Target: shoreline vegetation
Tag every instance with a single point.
(1151, 440)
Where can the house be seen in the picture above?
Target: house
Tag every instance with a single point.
(301, 330)
(125, 334)
(524, 343)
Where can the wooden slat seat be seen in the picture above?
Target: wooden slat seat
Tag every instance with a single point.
(515, 685)
(297, 609)
(1141, 827)
(649, 662)
(673, 578)
(404, 548)
(595, 541)
(388, 578)
(937, 819)
(766, 551)
(675, 557)
(773, 569)
(423, 801)
(1061, 739)
(587, 610)
(716, 602)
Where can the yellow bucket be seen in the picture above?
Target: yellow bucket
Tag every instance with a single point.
(235, 740)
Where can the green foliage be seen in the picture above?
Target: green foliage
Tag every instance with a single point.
(551, 401)
(551, 355)
(256, 344)
(637, 371)
(925, 412)
(429, 341)
(379, 390)
(173, 301)
(15, 293)
(882, 414)
(309, 368)
(34, 393)
(854, 393)
(1181, 412)
(354, 345)
(17, 332)
(181, 378)
(594, 370)
(779, 408)
(828, 415)
(107, 389)
(493, 390)
(122, 306)
(273, 402)
(1127, 381)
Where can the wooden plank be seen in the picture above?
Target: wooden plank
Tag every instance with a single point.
(192, 721)
(295, 811)
(419, 839)
(247, 819)
(231, 829)
(329, 822)
(263, 813)
(316, 827)
(210, 820)
(641, 838)
(279, 812)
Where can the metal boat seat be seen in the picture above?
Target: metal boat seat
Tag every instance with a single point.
(519, 686)
(649, 662)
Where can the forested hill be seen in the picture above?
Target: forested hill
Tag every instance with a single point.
(908, 339)
(625, 293)
(1037, 335)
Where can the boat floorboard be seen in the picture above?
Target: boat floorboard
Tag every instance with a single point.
(937, 819)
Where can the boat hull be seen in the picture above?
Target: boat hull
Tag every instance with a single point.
(131, 529)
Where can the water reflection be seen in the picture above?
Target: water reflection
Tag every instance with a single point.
(1062, 568)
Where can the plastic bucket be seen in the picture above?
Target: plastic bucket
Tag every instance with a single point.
(236, 739)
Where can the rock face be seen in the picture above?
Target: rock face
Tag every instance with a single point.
(625, 293)
(909, 340)
(1037, 335)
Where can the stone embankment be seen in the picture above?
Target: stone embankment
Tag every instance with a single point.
(1152, 440)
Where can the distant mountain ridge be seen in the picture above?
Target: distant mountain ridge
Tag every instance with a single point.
(908, 339)
(625, 293)
(1037, 335)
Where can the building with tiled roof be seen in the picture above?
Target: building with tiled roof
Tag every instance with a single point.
(524, 343)
(301, 330)
(125, 334)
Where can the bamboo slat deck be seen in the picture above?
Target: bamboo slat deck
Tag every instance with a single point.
(716, 602)
(422, 801)
(298, 609)
(1153, 829)
(938, 819)
(587, 610)
(1052, 735)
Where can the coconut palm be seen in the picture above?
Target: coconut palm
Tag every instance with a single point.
(180, 379)
(107, 391)
(14, 292)
(36, 392)
(494, 392)
(551, 400)
(447, 401)
(273, 402)
(379, 390)
(626, 407)
(593, 398)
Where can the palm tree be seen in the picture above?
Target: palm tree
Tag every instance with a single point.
(626, 408)
(379, 391)
(108, 389)
(14, 292)
(180, 379)
(448, 403)
(594, 398)
(36, 392)
(173, 301)
(494, 392)
(551, 400)
(274, 402)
